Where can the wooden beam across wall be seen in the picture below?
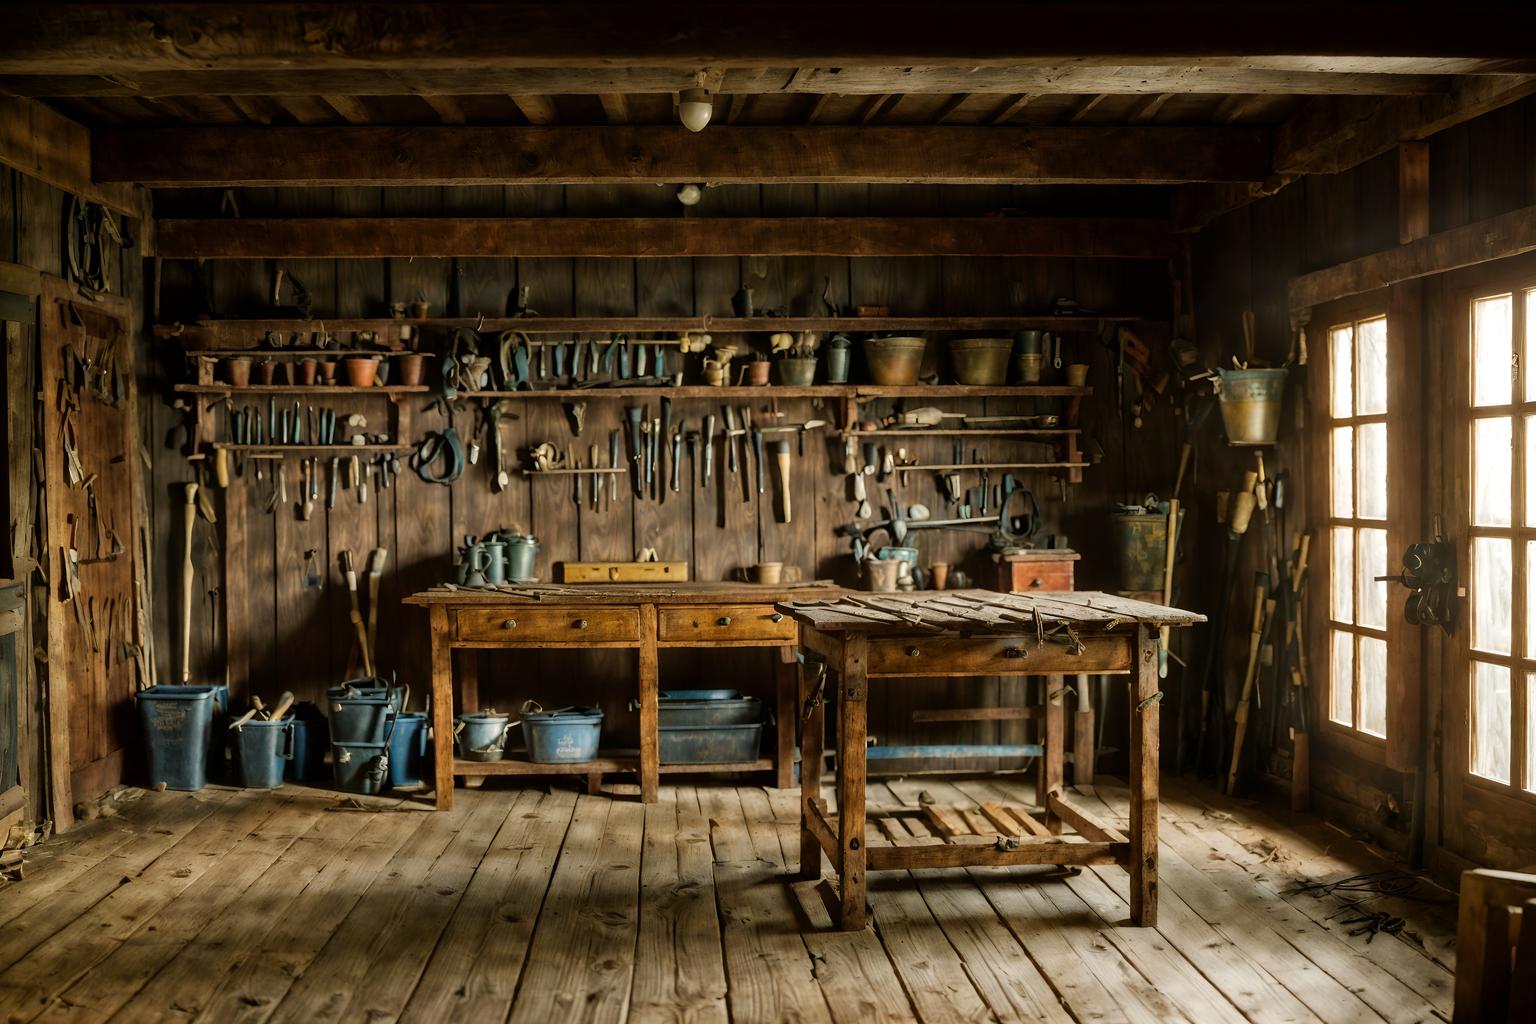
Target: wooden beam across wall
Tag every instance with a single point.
(110, 39)
(374, 237)
(1496, 238)
(39, 141)
(722, 155)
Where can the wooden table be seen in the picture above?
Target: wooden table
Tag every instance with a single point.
(642, 617)
(853, 641)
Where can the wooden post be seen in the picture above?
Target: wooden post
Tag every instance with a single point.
(812, 735)
(442, 708)
(1049, 781)
(1412, 191)
(786, 681)
(650, 768)
(852, 765)
(1144, 778)
(1084, 756)
(469, 698)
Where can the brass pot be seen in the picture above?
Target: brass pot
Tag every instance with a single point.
(981, 362)
(895, 362)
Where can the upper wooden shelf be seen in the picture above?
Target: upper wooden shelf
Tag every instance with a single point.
(839, 391)
(214, 336)
(301, 389)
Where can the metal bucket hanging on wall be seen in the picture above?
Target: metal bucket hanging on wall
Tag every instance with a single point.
(1250, 404)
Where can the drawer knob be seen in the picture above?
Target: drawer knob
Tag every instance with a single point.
(509, 624)
(776, 617)
(1037, 582)
(1015, 652)
(913, 652)
(724, 620)
(580, 624)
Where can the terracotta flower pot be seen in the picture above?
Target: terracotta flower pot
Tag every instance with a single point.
(757, 373)
(413, 368)
(265, 371)
(328, 372)
(306, 371)
(237, 371)
(361, 370)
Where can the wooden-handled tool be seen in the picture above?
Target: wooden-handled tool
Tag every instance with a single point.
(781, 459)
(1262, 610)
(237, 723)
(283, 704)
(376, 559)
(188, 517)
(349, 572)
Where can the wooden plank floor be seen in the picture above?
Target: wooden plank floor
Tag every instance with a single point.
(540, 905)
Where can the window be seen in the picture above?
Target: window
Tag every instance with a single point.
(1501, 668)
(1357, 541)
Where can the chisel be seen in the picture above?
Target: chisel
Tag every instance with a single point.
(730, 437)
(597, 478)
(665, 436)
(633, 414)
(709, 448)
(677, 457)
(646, 440)
(757, 453)
(613, 461)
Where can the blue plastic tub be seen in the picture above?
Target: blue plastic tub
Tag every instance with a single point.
(408, 750)
(566, 736)
(264, 748)
(359, 714)
(482, 735)
(311, 737)
(178, 727)
(360, 767)
(699, 695)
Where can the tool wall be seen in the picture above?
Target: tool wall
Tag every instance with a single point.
(284, 634)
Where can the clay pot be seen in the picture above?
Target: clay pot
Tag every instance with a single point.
(757, 373)
(237, 371)
(938, 575)
(362, 370)
(328, 372)
(306, 371)
(1077, 375)
(265, 370)
(413, 368)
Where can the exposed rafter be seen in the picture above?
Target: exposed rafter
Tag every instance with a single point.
(950, 106)
(1008, 108)
(447, 108)
(615, 107)
(538, 110)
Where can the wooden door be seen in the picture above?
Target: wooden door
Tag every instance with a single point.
(1489, 675)
(95, 609)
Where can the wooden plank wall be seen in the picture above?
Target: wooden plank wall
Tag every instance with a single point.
(1245, 260)
(31, 235)
(299, 640)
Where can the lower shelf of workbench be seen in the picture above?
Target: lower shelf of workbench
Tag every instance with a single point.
(517, 764)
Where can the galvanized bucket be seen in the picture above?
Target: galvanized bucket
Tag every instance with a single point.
(482, 735)
(1141, 549)
(565, 736)
(980, 361)
(1250, 404)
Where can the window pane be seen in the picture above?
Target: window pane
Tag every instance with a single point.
(1490, 721)
(1372, 563)
(1530, 344)
(1530, 731)
(1491, 468)
(1492, 355)
(1530, 600)
(1342, 589)
(1341, 370)
(1373, 686)
(1530, 471)
(1371, 471)
(1371, 367)
(1492, 593)
(1341, 484)
(1341, 678)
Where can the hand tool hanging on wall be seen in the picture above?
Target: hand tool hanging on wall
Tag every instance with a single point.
(663, 441)
(376, 559)
(709, 448)
(609, 483)
(781, 459)
(757, 452)
(349, 573)
(1263, 615)
(677, 457)
(730, 437)
(634, 416)
(597, 478)
(188, 519)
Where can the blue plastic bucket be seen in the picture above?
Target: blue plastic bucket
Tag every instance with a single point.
(359, 715)
(567, 736)
(178, 728)
(360, 767)
(311, 737)
(408, 750)
(264, 747)
(481, 735)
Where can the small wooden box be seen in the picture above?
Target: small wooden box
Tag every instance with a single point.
(1047, 569)
(626, 572)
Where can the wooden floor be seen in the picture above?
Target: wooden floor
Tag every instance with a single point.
(540, 906)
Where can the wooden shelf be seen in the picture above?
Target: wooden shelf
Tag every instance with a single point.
(302, 389)
(214, 330)
(298, 352)
(962, 432)
(837, 391)
(762, 764)
(516, 763)
(311, 449)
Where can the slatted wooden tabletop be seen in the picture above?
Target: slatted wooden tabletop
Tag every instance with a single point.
(968, 612)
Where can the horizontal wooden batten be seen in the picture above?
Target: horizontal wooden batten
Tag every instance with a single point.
(1506, 235)
(109, 39)
(375, 237)
(617, 154)
(37, 140)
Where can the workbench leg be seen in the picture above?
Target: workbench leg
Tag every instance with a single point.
(812, 735)
(1049, 780)
(646, 673)
(785, 678)
(852, 766)
(1083, 754)
(468, 673)
(1144, 778)
(442, 709)
(594, 783)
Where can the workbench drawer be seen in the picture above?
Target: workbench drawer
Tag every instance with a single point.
(706, 623)
(1037, 574)
(567, 625)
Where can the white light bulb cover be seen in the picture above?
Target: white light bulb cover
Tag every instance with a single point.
(694, 108)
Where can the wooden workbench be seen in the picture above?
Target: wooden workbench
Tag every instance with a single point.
(853, 641)
(642, 617)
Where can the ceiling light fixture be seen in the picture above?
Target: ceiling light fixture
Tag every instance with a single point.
(694, 108)
(690, 194)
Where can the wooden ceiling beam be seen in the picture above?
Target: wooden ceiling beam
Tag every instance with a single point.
(1146, 109)
(949, 106)
(1008, 108)
(353, 108)
(538, 110)
(368, 237)
(37, 140)
(1193, 77)
(446, 108)
(722, 154)
(108, 38)
(615, 107)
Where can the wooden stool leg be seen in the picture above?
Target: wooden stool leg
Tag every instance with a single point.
(812, 735)
(1083, 754)
(650, 737)
(852, 765)
(786, 680)
(1050, 781)
(469, 699)
(1144, 779)
(442, 709)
